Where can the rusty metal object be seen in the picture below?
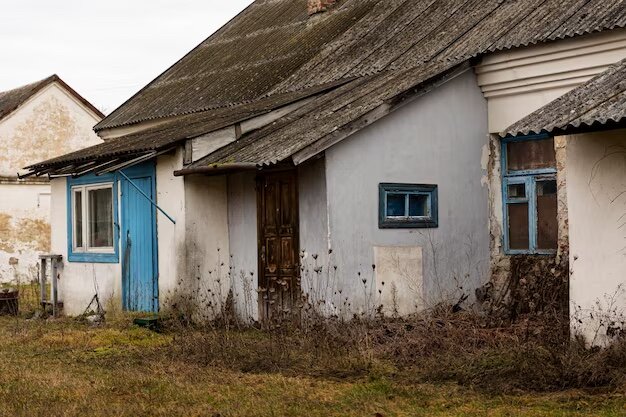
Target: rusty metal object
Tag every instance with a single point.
(9, 302)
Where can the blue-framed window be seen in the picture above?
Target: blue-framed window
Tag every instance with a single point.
(407, 206)
(529, 190)
(92, 219)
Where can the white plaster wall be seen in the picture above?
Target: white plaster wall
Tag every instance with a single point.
(49, 124)
(78, 281)
(171, 237)
(242, 224)
(207, 243)
(318, 280)
(522, 80)
(438, 139)
(24, 229)
(313, 204)
(596, 186)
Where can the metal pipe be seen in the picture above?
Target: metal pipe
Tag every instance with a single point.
(146, 195)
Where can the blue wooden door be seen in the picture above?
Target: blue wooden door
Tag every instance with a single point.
(139, 243)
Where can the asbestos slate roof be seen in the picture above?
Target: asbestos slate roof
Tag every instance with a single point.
(364, 52)
(171, 132)
(274, 46)
(241, 62)
(601, 100)
(11, 100)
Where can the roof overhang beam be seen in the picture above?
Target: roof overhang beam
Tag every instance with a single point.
(218, 169)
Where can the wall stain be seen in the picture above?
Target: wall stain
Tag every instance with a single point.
(6, 233)
(49, 131)
(23, 234)
(35, 233)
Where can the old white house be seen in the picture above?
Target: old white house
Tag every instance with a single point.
(358, 152)
(37, 121)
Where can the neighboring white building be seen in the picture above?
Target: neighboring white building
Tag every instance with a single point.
(354, 157)
(37, 121)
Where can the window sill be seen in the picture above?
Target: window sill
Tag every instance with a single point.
(512, 252)
(100, 258)
(396, 224)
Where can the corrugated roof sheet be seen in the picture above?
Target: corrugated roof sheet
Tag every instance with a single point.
(373, 49)
(322, 117)
(600, 100)
(11, 100)
(273, 46)
(258, 49)
(171, 132)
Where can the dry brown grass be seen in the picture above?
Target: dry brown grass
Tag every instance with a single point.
(65, 368)
(529, 355)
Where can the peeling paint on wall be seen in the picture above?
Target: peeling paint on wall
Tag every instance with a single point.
(6, 244)
(560, 145)
(50, 129)
(18, 235)
(51, 123)
(515, 277)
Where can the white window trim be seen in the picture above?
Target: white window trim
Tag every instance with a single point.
(84, 189)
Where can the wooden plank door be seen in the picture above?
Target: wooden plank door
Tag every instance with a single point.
(139, 242)
(279, 284)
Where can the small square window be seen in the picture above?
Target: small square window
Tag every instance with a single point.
(407, 206)
(517, 191)
(419, 205)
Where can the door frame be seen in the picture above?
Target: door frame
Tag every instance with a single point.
(147, 169)
(260, 233)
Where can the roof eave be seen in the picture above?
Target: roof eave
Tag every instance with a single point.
(218, 169)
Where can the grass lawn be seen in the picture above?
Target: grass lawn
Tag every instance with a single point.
(65, 368)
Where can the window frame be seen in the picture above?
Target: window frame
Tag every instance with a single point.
(86, 254)
(408, 222)
(530, 179)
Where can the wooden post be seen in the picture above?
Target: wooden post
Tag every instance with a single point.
(42, 282)
(53, 290)
(53, 261)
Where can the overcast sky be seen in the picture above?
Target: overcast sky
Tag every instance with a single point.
(106, 50)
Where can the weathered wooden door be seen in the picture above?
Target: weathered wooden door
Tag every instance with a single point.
(277, 196)
(139, 240)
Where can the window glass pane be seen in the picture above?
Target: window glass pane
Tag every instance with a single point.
(100, 218)
(547, 227)
(418, 205)
(78, 219)
(517, 191)
(518, 226)
(531, 154)
(396, 205)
